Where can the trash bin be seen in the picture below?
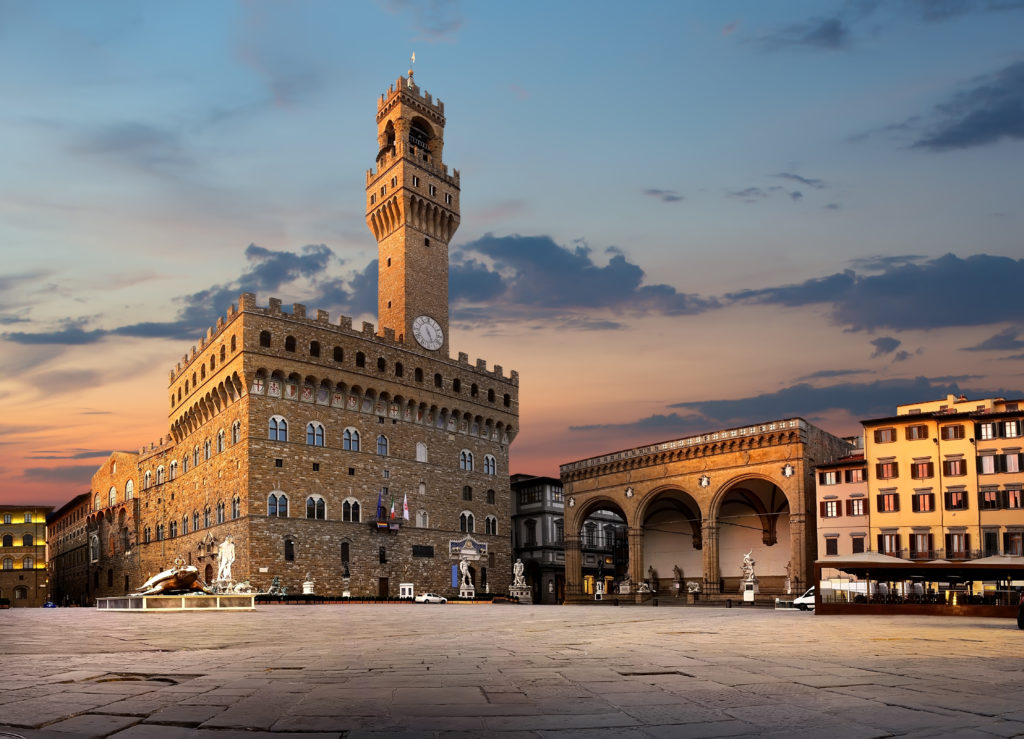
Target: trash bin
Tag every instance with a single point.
(728, 603)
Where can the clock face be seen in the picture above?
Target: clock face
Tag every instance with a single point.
(428, 332)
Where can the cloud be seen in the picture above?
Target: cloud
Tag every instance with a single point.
(943, 10)
(931, 293)
(437, 20)
(69, 454)
(796, 196)
(1005, 340)
(532, 276)
(749, 194)
(666, 196)
(808, 181)
(880, 262)
(884, 345)
(990, 110)
(828, 374)
(71, 474)
(72, 333)
(900, 356)
(817, 33)
(860, 400)
(833, 206)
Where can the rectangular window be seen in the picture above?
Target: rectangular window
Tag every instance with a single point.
(956, 546)
(858, 544)
(832, 545)
(828, 478)
(1013, 543)
(856, 507)
(887, 470)
(1012, 463)
(916, 432)
(432, 190)
(422, 550)
(889, 544)
(1011, 429)
(956, 431)
(988, 500)
(1013, 498)
(888, 503)
(885, 436)
(987, 464)
(923, 502)
(830, 509)
(986, 431)
(856, 475)
(922, 470)
(415, 181)
(954, 468)
(956, 500)
(921, 546)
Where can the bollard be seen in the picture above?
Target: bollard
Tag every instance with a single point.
(728, 603)
(1020, 614)
(616, 601)
(655, 602)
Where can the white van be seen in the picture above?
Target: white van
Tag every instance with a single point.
(806, 601)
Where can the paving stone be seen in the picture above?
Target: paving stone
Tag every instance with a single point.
(184, 715)
(92, 724)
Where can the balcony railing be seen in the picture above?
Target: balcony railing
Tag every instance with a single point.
(926, 555)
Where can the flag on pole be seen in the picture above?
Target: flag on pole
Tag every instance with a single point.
(379, 504)
(405, 507)
(392, 506)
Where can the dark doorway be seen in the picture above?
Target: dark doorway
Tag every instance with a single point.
(382, 587)
(208, 573)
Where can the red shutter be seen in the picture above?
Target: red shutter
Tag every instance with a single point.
(898, 544)
(878, 471)
(931, 469)
(895, 469)
(849, 508)
(967, 545)
(821, 506)
(931, 499)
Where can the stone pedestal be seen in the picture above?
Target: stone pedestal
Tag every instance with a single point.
(520, 593)
(748, 589)
(467, 591)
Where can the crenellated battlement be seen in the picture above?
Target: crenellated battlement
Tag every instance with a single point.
(406, 90)
(322, 319)
(394, 155)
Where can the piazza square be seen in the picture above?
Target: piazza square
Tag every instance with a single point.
(507, 670)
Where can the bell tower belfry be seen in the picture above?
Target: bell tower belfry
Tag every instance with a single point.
(412, 209)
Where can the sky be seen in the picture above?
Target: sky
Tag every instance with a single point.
(677, 217)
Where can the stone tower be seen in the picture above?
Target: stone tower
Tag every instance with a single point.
(412, 208)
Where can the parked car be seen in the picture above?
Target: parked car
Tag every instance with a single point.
(430, 598)
(49, 604)
(806, 601)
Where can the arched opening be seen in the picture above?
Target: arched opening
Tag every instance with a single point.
(753, 517)
(604, 549)
(672, 541)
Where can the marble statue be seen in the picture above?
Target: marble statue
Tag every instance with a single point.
(789, 577)
(465, 579)
(517, 570)
(225, 558)
(693, 587)
(748, 566)
(307, 585)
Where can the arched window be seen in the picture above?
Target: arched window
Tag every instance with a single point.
(490, 396)
(438, 382)
(202, 371)
(195, 457)
(466, 522)
(27, 563)
(289, 550)
(421, 451)
(172, 529)
(206, 517)
(339, 354)
(20, 593)
(236, 432)
(490, 497)
(315, 507)
(112, 495)
(418, 375)
(315, 434)
(278, 428)
(195, 520)
(289, 343)
(350, 440)
(360, 359)
(27, 540)
(159, 477)
(172, 469)
(234, 344)
(507, 400)
(457, 385)
(277, 505)
(160, 532)
(381, 364)
(314, 348)
(224, 351)
(95, 502)
(265, 338)
(8, 540)
(474, 390)
(207, 449)
(422, 520)
(8, 563)
(399, 369)
(382, 445)
(220, 512)
(148, 480)
(236, 507)
(147, 535)
(490, 465)
(184, 529)
(213, 362)
(220, 441)
(467, 493)
(491, 525)
(350, 510)
(466, 460)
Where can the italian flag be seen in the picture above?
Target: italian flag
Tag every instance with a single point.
(392, 506)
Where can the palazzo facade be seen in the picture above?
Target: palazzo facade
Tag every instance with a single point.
(695, 506)
(364, 458)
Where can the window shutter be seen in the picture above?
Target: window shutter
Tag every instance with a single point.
(895, 502)
(839, 508)
(821, 478)
(978, 463)
(967, 544)
(931, 469)
(1000, 429)
(878, 470)
(898, 544)
(915, 504)
(1006, 542)
(949, 544)
(849, 508)
(931, 499)
(977, 431)
(878, 503)
(895, 469)
(931, 545)
(881, 543)
(821, 509)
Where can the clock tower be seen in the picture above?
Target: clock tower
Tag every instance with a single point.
(412, 208)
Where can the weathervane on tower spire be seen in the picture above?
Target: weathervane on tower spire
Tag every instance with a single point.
(412, 61)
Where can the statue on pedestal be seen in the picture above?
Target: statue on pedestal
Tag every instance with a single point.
(225, 558)
(519, 580)
(307, 585)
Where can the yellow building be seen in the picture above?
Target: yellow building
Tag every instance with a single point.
(23, 577)
(944, 479)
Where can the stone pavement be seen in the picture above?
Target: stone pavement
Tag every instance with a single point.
(514, 671)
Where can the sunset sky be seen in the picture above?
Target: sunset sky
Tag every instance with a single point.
(676, 217)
